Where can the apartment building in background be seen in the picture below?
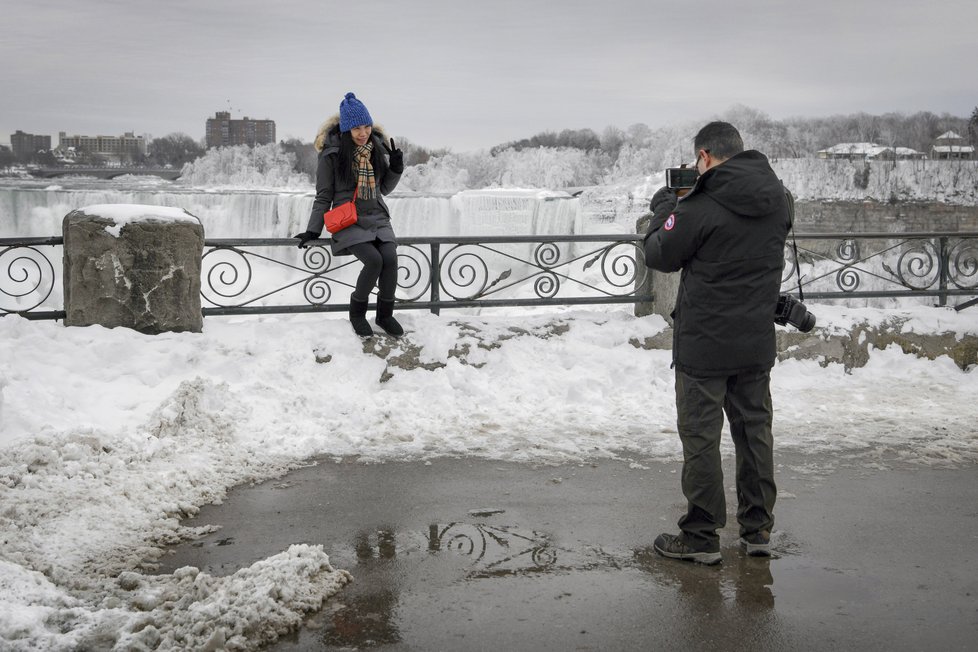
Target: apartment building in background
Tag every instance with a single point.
(223, 131)
(26, 144)
(115, 147)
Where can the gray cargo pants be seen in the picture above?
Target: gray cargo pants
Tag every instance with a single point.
(700, 404)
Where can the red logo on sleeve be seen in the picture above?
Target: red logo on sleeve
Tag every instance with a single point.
(671, 222)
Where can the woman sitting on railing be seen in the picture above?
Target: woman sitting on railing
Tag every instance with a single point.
(353, 168)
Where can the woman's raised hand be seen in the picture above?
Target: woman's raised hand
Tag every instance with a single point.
(396, 157)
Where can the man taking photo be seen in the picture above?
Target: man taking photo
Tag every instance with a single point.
(727, 235)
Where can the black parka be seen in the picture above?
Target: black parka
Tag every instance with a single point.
(331, 192)
(727, 235)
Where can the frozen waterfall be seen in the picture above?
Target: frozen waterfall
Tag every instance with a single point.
(36, 210)
(30, 208)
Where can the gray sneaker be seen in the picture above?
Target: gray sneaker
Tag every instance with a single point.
(672, 546)
(757, 544)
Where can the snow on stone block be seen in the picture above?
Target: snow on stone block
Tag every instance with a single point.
(134, 266)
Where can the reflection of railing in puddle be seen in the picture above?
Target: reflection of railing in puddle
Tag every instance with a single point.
(483, 551)
(496, 550)
(368, 617)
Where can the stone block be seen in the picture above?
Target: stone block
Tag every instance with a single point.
(134, 266)
(662, 286)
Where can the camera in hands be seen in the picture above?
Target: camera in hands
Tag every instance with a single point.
(681, 177)
(792, 311)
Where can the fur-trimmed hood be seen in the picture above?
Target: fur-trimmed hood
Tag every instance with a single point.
(329, 133)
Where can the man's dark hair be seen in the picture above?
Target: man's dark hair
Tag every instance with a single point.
(720, 139)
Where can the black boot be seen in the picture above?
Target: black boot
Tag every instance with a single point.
(358, 318)
(385, 318)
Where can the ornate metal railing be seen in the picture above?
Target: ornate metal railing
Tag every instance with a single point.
(256, 276)
(865, 265)
(433, 273)
(28, 278)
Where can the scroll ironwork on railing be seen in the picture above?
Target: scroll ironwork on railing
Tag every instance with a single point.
(834, 266)
(28, 278)
(257, 276)
(433, 273)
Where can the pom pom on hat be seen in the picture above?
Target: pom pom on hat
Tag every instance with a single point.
(353, 113)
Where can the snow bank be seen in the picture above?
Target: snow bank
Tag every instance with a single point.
(108, 438)
(187, 610)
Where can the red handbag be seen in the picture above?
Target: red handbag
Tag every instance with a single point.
(342, 216)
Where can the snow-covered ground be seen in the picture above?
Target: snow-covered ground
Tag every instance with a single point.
(109, 437)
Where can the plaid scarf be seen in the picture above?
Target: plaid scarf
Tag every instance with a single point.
(366, 184)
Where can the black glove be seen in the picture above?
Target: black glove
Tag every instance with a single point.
(396, 158)
(305, 237)
(664, 199)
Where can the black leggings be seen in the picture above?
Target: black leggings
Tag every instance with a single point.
(379, 263)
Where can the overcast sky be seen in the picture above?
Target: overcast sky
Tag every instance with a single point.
(468, 75)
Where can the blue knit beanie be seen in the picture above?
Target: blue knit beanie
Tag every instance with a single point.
(353, 113)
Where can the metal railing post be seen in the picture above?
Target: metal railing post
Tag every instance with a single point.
(435, 277)
(944, 271)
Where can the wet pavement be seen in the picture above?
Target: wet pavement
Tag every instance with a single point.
(468, 554)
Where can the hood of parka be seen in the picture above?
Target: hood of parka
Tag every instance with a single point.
(744, 184)
(328, 135)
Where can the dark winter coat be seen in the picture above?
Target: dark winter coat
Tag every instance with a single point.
(373, 223)
(727, 235)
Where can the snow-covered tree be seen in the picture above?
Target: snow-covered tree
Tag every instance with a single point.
(263, 166)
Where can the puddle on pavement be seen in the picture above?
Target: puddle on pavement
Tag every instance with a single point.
(555, 565)
(460, 580)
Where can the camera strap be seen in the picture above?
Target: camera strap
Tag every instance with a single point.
(794, 246)
(794, 243)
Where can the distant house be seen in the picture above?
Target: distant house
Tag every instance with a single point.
(950, 145)
(65, 155)
(907, 153)
(869, 152)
